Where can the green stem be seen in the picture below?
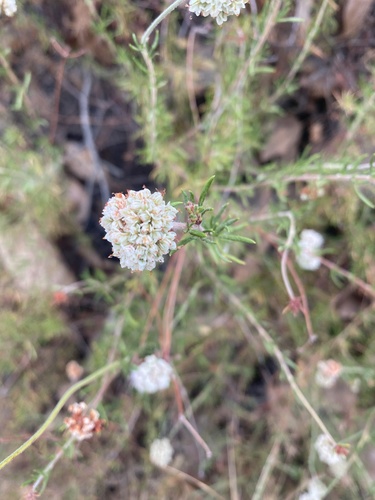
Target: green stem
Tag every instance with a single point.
(58, 407)
(151, 118)
(158, 20)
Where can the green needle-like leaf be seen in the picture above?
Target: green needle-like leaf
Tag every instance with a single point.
(205, 190)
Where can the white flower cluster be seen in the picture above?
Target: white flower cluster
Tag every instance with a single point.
(331, 454)
(316, 490)
(327, 373)
(309, 244)
(138, 225)
(9, 7)
(218, 9)
(161, 452)
(151, 376)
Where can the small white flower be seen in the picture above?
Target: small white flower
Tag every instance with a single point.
(309, 244)
(9, 7)
(138, 225)
(331, 454)
(315, 490)
(151, 376)
(161, 452)
(218, 9)
(327, 373)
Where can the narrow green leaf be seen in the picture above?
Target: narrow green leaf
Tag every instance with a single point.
(155, 42)
(236, 237)
(224, 225)
(263, 70)
(229, 222)
(184, 194)
(185, 241)
(221, 211)
(139, 65)
(363, 197)
(291, 20)
(234, 259)
(198, 234)
(205, 190)
(206, 210)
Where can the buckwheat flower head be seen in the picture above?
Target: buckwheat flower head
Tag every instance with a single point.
(161, 452)
(218, 9)
(83, 425)
(315, 490)
(9, 7)
(138, 225)
(309, 244)
(327, 373)
(151, 376)
(331, 454)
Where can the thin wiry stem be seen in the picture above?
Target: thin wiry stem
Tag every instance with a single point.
(158, 20)
(107, 379)
(190, 74)
(287, 246)
(49, 467)
(305, 305)
(271, 344)
(185, 422)
(266, 471)
(171, 302)
(362, 285)
(352, 174)
(303, 53)
(151, 118)
(190, 479)
(231, 454)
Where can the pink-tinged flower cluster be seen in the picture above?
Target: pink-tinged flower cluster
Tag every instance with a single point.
(327, 373)
(218, 9)
(81, 425)
(139, 227)
(153, 375)
(8, 7)
(161, 452)
(331, 454)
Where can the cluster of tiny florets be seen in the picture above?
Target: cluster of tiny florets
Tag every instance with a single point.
(81, 425)
(138, 225)
(316, 490)
(218, 9)
(161, 452)
(8, 7)
(308, 247)
(331, 454)
(327, 373)
(151, 376)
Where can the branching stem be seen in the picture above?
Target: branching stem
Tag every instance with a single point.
(158, 20)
